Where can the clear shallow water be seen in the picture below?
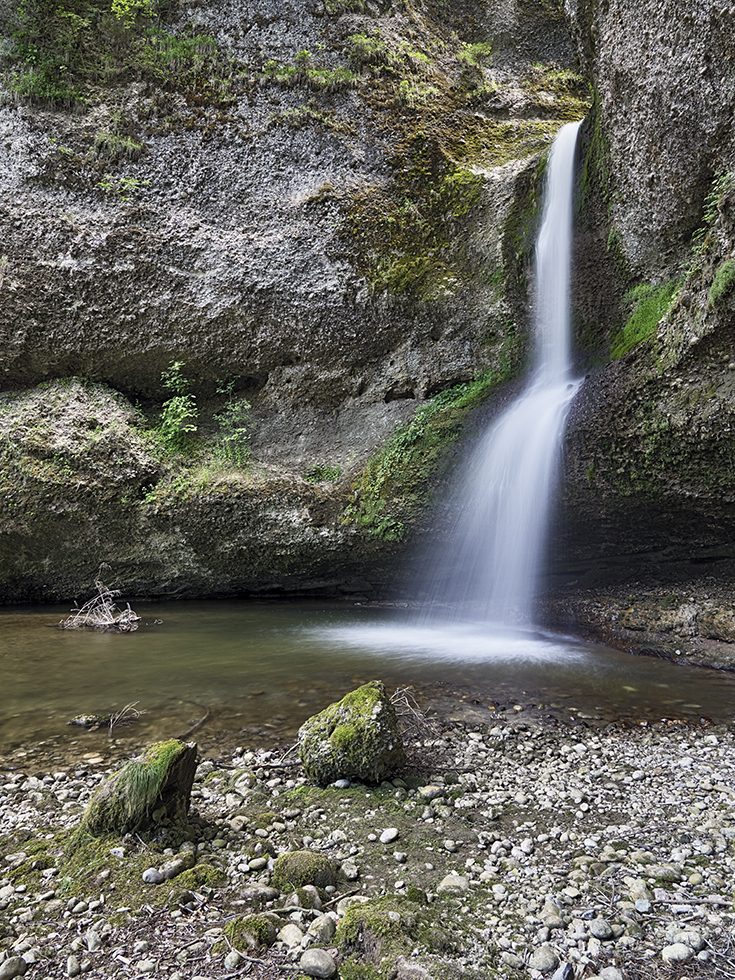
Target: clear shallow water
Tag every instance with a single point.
(269, 666)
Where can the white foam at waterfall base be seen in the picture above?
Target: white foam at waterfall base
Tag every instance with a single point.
(491, 563)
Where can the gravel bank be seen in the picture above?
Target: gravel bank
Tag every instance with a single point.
(506, 852)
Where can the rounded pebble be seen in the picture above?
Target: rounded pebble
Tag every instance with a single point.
(318, 963)
(676, 953)
(15, 966)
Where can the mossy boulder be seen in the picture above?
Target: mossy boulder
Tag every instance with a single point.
(149, 793)
(252, 931)
(385, 927)
(299, 868)
(356, 738)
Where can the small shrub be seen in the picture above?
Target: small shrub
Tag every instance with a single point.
(127, 10)
(121, 185)
(234, 423)
(178, 412)
(111, 146)
(475, 54)
(323, 472)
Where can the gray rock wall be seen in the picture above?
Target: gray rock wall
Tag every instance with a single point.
(346, 249)
(666, 95)
(648, 490)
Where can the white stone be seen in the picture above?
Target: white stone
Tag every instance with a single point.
(453, 885)
(291, 935)
(318, 963)
(676, 953)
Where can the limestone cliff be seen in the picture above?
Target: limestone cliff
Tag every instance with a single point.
(325, 209)
(649, 485)
(328, 210)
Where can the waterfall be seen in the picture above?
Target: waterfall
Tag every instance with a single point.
(493, 560)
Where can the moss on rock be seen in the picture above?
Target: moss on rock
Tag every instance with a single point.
(356, 738)
(251, 931)
(723, 283)
(207, 875)
(151, 792)
(383, 928)
(298, 868)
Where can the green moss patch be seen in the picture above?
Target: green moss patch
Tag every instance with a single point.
(393, 487)
(389, 926)
(649, 304)
(355, 738)
(298, 868)
(723, 283)
(404, 233)
(250, 932)
(201, 875)
(134, 797)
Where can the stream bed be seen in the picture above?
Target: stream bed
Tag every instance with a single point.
(260, 669)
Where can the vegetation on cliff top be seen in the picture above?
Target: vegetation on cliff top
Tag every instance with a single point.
(62, 51)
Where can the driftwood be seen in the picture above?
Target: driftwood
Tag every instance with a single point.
(101, 613)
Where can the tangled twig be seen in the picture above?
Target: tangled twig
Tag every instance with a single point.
(101, 613)
(411, 718)
(126, 716)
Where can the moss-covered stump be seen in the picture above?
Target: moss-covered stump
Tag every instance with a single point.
(299, 868)
(356, 738)
(149, 793)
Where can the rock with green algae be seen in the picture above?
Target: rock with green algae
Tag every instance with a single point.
(148, 793)
(251, 931)
(356, 738)
(297, 869)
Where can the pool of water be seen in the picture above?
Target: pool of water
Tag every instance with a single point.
(263, 668)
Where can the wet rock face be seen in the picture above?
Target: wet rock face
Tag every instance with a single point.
(647, 488)
(666, 98)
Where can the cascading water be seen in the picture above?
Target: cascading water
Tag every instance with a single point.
(492, 561)
(491, 564)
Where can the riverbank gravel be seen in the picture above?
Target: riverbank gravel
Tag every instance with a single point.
(505, 851)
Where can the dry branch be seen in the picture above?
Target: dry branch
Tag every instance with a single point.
(101, 613)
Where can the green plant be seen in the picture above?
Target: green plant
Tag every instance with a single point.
(303, 71)
(475, 54)
(63, 50)
(415, 93)
(178, 412)
(393, 485)
(323, 472)
(649, 304)
(128, 10)
(111, 146)
(234, 423)
(702, 236)
(121, 185)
